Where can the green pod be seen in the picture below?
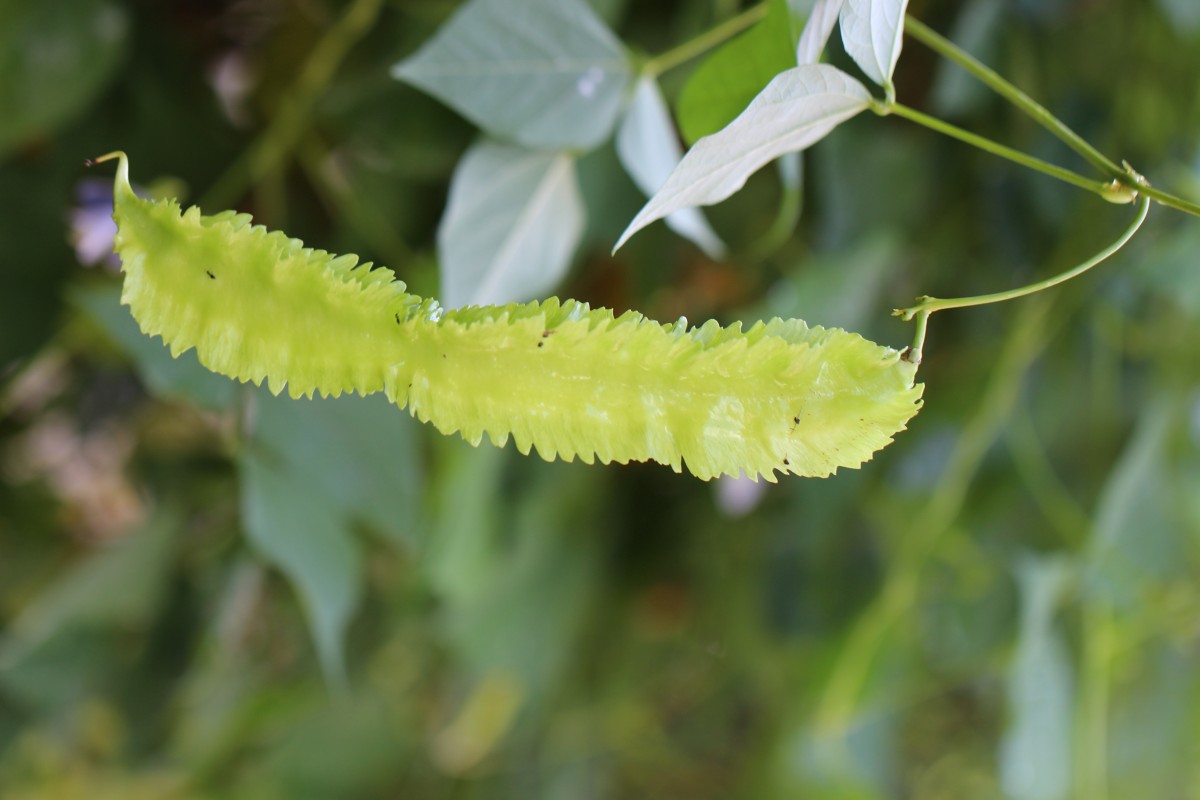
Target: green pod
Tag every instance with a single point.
(564, 378)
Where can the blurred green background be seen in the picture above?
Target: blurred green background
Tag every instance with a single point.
(209, 592)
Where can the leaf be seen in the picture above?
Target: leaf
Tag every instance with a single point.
(356, 453)
(817, 30)
(1184, 14)
(304, 535)
(545, 73)
(53, 62)
(1035, 753)
(648, 150)
(512, 223)
(729, 79)
(799, 107)
(165, 376)
(1136, 545)
(872, 32)
(311, 469)
(977, 30)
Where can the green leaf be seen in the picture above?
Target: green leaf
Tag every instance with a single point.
(1184, 14)
(872, 32)
(54, 59)
(165, 375)
(649, 150)
(309, 540)
(513, 221)
(817, 30)
(1137, 541)
(728, 80)
(545, 73)
(356, 453)
(976, 30)
(311, 469)
(1035, 753)
(798, 108)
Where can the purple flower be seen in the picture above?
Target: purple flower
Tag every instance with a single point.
(92, 226)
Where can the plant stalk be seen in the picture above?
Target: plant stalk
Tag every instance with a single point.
(1035, 110)
(682, 53)
(1105, 190)
(927, 305)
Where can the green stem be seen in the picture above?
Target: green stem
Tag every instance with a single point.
(1170, 200)
(927, 305)
(1105, 190)
(685, 52)
(914, 353)
(1125, 182)
(290, 123)
(947, 49)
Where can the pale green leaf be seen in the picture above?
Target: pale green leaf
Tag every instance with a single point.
(649, 150)
(1035, 753)
(544, 73)
(817, 30)
(356, 453)
(798, 108)
(872, 32)
(1184, 14)
(513, 221)
(977, 31)
(303, 534)
(1136, 543)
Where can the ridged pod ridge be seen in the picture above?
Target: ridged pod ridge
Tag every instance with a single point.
(566, 379)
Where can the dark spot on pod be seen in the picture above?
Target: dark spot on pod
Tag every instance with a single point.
(397, 317)
(541, 344)
(786, 462)
(443, 355)
(209, 274)
(796, 420)
(546, 334)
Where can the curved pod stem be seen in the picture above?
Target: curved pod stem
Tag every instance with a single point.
(927, 305)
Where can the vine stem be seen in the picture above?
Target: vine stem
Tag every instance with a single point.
(1124, 181)
(681, 54)
(1112, 191)
(927, 305)
(1039, 113)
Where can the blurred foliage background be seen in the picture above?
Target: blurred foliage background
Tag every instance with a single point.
(209, 592)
